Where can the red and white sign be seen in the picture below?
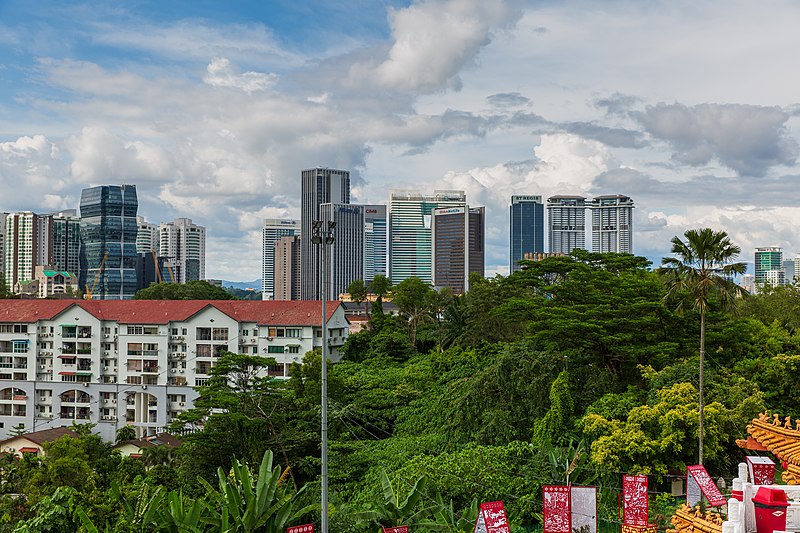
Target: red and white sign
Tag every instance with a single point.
(305, 528)
(556, 509)
(762, 470)
(634, 500)
(492, 518)
(699, 484)
(398, 529)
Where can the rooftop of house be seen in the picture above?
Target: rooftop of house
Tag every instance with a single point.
(45, 435)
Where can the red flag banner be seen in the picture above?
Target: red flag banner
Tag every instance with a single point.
(398, 529)
(699, 484)
(305, 528)
(634, 500)
(492, 518)
(556, 509)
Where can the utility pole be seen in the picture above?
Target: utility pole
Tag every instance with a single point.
(323, 237)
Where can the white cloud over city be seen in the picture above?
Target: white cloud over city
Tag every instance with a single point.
(688, 109)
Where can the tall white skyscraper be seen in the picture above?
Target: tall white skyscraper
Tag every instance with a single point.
(566, 223)
(184, 243)
(147, 236)
(346, 259)
(612, 224)
(274, 229)
(375, 233)
(319, 186)
(2, 244)
(410, 231)
(27, 244)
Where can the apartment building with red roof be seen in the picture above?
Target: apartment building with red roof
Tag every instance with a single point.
(137, 362)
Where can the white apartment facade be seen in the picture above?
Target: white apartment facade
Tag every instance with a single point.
(116, 363)
(274, 229)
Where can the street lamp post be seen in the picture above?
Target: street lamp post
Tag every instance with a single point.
(323, 237)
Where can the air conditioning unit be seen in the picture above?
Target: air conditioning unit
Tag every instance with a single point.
(183, 404)
(182, 371)
(174, 370)
(269, 338)
(42, 367)
(86, 384)
(107, 336)
(42, 398)
(252, 341)
(144, 387)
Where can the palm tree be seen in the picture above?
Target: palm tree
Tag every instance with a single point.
(703, 266)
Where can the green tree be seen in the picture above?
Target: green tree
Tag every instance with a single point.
(702, 268)
(126, 433)
(395, 508)
(555, 426)
(192, 290)
(413, 297)
(358, 291)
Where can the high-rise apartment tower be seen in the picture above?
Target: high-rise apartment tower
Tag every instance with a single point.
(184, 244)
(566, 223)
(612, 224)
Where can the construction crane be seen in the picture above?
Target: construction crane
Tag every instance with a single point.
(90, 292)
(171, 272)
(158, 270)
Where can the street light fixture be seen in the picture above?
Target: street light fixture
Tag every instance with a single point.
(323, 237)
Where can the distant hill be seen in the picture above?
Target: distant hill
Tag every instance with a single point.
(255, 284)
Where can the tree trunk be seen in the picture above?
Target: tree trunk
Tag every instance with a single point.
(702, 376)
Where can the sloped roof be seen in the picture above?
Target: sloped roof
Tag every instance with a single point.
(162, 439)
(45, 435)
(780, 439)
(278, 312)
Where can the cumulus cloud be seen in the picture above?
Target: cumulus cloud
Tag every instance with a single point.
(433, 41)
(749, 139)
(99, 155)
(220, 73)
(506, 100)
(31, 168)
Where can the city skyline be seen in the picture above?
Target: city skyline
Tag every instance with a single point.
(212, 111)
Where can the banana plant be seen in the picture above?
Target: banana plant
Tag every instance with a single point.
(244, 504)
(393, 511)
(446, 518)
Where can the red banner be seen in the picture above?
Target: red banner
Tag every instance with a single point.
(398, 529)
(634, 500)
(305, 528)
(556, 509)
(699, 482)
(492, 518)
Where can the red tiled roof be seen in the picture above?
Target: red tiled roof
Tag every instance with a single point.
(46, 435)
(286, 312)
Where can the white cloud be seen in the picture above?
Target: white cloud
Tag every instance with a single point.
(433, 41)
(222, 74)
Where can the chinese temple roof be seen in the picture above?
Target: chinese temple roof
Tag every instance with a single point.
(780, 439)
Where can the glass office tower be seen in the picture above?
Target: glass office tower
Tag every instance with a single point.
(108, 241)
(527, 228)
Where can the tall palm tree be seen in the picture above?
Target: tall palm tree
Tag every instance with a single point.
(703, 266)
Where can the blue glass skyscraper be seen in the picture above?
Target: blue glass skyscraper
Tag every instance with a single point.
(527, 228)
(108, 241)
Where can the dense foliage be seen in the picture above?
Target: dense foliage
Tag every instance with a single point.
(574, 369)
(192, 290)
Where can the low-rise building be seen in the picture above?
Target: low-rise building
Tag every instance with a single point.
(137, 362)
(33, 442)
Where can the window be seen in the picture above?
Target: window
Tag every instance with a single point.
(294, 349)
(135, 330)
(184, 332)
(20, 328)
(174, 331)
(255, 350)
(294, 333)
(220, 334)
(318, 333)
(275, 349)
(203, 334)
(220, 349)
(203, 350)
(107, 331)
(245, 332)
(20, 347)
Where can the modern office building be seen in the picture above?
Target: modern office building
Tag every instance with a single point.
(526, 224)
(612, 224)
(2, 246)
(410, 231)
(184, 244)
(346, 259)
(108, 241)
(319, 186)
(118, 363)
(147, 237)
(375, 242)
(566, 223)
(27, 244)
(287, 268)
(273, 230)
(65, 241)
(774, 278)
(766, 259)
(458, 246)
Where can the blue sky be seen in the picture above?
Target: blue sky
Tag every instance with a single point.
(213, 108)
